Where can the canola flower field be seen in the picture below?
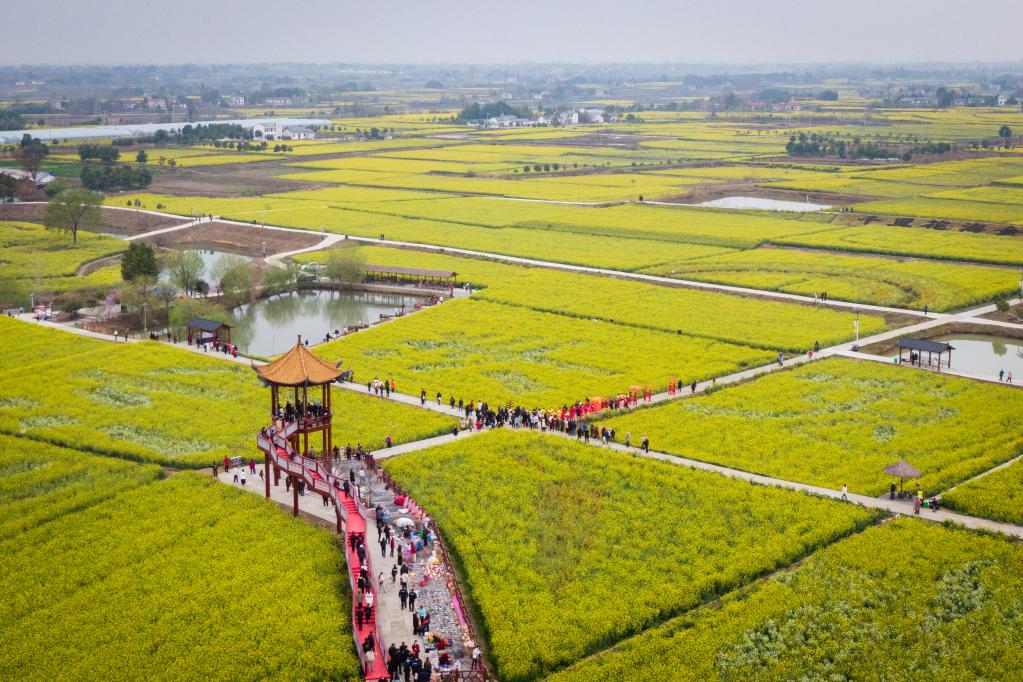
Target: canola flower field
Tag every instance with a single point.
(881, 281)
(906, 600)
(150, 402)
(48, 261)
(998, 495)
(477, 350)
(174, 578)
(567, 549)
(841, 421)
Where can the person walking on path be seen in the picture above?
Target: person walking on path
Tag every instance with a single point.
(916, 506)
(845, 492)
(1001, 375)
(628, 439)
(394, 573)
(412, 596)
(645, 444)
(243, 476)
(403, 597)
(422, 397)
(475, 658)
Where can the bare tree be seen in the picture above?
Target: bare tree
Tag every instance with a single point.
(73, 209)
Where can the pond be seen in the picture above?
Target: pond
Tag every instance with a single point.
(210, 259)
(271, 325)
(760, 204)
(984, 355)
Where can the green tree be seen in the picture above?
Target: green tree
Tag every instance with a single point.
(1005, 132)
(73, 209)
(236, 276)
(8, 187)
(138, 261)
(142, 158)
(346, 265)
(30, 155)
(184, 269)
(279, 280)
(944, 97)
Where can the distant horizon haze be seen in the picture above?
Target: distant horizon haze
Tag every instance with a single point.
(444, 32)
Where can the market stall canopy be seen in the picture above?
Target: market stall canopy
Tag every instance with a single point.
(299, 367)
(901, 469)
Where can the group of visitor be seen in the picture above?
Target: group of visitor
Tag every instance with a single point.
(309, 412)
(218, 345)
(1004, 376)
(404, 662)
(381, 388)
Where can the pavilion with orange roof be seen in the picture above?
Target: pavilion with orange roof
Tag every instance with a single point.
(290, 378)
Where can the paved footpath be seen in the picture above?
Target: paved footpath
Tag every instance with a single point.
(395, 623)
(894, 506)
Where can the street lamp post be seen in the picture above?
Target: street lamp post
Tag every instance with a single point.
(856, 326)
(145, 325)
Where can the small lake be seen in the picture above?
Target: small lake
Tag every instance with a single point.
(210, 259)
(271, 325)
(984, 355)
(759, 204)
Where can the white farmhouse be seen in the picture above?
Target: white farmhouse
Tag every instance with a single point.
(298, 133)
(276, 130)
(566, 118)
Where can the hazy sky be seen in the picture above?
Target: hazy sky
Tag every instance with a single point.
(734, 31)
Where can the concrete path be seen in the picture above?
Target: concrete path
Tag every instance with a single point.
(164, 230)
(413, 446)
(326, 243)
(894, 506)
(405, 399)
(395, 623)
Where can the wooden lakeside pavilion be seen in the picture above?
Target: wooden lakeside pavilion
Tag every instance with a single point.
(198, 327)
(917, 347)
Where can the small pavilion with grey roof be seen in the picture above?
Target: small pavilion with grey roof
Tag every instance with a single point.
(200, 326)
(917, 348)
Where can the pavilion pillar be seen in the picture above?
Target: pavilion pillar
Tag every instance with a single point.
(337, 512)
(277, 475)
(294, 495)
(266, 472)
